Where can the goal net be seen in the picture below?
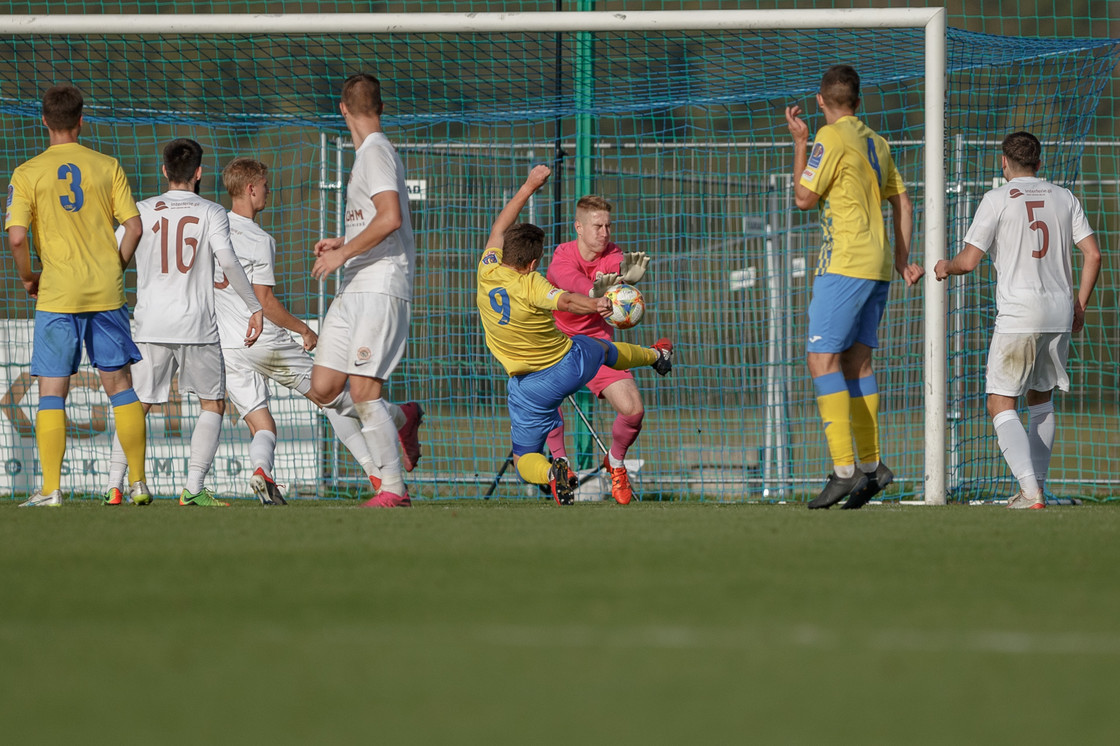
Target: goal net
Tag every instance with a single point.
(681, 129)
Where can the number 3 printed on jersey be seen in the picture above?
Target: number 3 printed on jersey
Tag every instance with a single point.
(1040, 226)
(162, 227)
(73, 201)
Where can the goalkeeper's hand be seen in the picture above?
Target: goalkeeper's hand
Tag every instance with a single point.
(601, 283)
(634, 265)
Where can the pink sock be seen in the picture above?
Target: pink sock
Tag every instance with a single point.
(624, 432)
(555, 441)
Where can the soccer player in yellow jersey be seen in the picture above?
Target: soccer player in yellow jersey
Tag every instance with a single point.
(847, 176)
(67, 198)
(545, 365)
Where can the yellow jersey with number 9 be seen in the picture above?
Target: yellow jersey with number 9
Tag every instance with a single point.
(516, 310)
(851, 168)
(68, 197)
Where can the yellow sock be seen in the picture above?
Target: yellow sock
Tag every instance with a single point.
(533, 468)
(50, 435)
(865, 418)
(632, 356)
(132, 433)
(834, 404)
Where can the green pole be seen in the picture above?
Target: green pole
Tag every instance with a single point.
(586, 455)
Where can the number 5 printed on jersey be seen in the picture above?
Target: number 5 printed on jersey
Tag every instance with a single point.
(1038, 225)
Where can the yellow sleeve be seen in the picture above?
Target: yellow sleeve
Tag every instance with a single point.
(892, 180)
(124, 207)
(823, 161)
(542, 293)
(21, 205)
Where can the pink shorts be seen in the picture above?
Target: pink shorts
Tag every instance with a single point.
(605, 377)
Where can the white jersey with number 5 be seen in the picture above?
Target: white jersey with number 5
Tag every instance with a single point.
(175, 268)
(1028, 227)
(387, 267)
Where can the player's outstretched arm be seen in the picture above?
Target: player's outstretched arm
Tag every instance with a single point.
(964, 262)
(582, 304)
(508, 216)
(275, 312)
(902, 213)
(1090, 270)
(387, 219)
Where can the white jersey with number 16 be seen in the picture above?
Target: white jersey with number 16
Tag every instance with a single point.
(1028, 227)
(175, 268)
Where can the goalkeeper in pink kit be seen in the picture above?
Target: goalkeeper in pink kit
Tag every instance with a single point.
(588, 266)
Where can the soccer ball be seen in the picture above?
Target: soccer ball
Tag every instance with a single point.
(627, 305)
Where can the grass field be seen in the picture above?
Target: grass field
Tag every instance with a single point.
(519, 622)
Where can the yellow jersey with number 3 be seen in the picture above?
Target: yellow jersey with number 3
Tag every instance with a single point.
(516, 310)
(851, 168)
(68, 197)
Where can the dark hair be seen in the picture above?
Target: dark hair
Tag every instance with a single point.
(362, 95)
(62, 107)
(840, 87)
(182, 158)
(522, 244)
(1023, 149)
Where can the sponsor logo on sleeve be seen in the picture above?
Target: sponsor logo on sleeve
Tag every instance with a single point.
(490, 257)
(817, 155)
(808, 174)
(11, 194)
(555, 293)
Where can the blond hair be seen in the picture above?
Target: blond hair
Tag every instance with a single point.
(240, 173)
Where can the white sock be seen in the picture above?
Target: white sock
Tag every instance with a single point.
(262, 451)
(847, 471)
(1013, 441)
(1042, 427)
(616, 463)
(118, 466)
(868, 467)
(204, 444)
(396, 413)
(381, 438)
(349, 432)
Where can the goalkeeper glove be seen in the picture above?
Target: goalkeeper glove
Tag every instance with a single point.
(634, 265)
(601, 283)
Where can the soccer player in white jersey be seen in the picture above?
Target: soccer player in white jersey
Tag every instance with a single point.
(1028, 227)
(365, 332)
(176, 329)
(276, 355)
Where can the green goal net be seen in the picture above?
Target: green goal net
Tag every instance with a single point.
(683, 132)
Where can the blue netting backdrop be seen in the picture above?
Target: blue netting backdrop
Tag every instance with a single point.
(686, 138)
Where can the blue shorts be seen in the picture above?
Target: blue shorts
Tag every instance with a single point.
(845, 310)
(57, 349)
(535, 397)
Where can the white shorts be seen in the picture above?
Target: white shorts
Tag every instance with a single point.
(364, 334)
(200, 370)
(249, 368)
(1032, 361)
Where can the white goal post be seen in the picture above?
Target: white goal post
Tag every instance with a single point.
(931, 20)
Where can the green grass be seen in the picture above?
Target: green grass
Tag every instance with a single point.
(519, 622)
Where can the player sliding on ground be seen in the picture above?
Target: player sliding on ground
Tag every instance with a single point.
(545, 366)
(276, 355)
